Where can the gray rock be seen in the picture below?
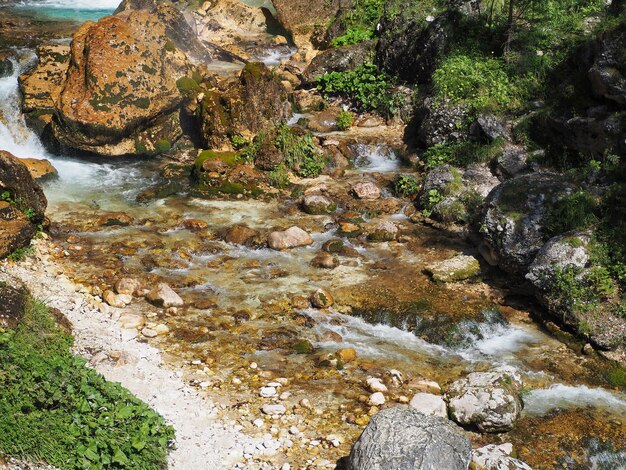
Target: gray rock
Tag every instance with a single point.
(429, 404)
(337, 59)
(459, 268)
(487, 128)
(513, 217)
(489, 401)
(316, 204)
(440, 123)
(496, 457)
(477, 177)
(402, 438)
(513, 161)
(164, 296)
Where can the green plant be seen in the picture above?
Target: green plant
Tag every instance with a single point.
(187, 84)
(344, 120)
(239, 142)
(433, 197)
(21, 254)
(163, 146)
(54, 408)
(365, 86)
(301, 153)
(406, 186)
(360, 22)
(279, 177)
(575, 212)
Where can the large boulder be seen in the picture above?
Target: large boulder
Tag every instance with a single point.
(247, 105)
(120, 96)
(337, 59)
(513, 218)
(20, 188)
(412, 41)
(489, 401)
(402, 438)
(16, 230)
(608, 71)
(440, 123)
(568, 258)
(41, 87)
(306, 20)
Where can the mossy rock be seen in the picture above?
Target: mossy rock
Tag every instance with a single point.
(230, 158)
(303, 347)
(459, 268)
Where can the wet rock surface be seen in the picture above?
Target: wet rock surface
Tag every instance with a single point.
(402, 438)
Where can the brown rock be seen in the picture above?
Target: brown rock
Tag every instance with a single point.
(120, 96)
(325, 260)
(17, 181)
(241, 235)
(306, 20)
(127, 286)
(321, 298)
(16, 230)
(39, 169)
(195, 224)
(300, 302)
(291, 238)
(115, 218)
(366, 190)
(164, 296)
(346, 354)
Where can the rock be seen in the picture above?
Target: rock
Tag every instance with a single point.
(376, 399)
(273, 410)
(459, 268)
(291, 238)
(512, 162)
(18, 182)
(39, 169)
(149, 333)
(16, 230)
(440, 123)
(425, 386)
(346, 355)
(489, 401)
(325, 120)
(115, 300)
(321, 298)
(246, 105)
(496, 457)
(375, 385)
(161, 329)
(6, 65)
(429, 404)
(608, 72)
(402, 438)
(267, 392)
(384, 232)
(163, 296)
(411, 47)
(241, 235)
(42, 86)
(487, 128)
(112, 219)
(120, 95)
(127, 286)
(317, 205)
(513, 218)
(14, 301)
(306, 20)
(325, 260)
(366, 190)
(131, 321)
(333, 246)
(337, 59)
(195, 224)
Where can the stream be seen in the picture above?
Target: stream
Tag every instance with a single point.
(238, 308)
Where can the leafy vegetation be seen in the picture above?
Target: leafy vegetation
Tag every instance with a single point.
(365, 86)
(301, 154)
(21, 254)
(406, 186)
(360, 22)
(575, 212)
(345, 119)
(461, 153)
(54, 408)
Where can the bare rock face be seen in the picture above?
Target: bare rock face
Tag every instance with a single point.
(489, 401)
(42, 86)
(306, 20)
(255, 101)
(120, 96)
(402, 438)
(17, 182)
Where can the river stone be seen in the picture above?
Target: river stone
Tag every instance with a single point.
(291, 238)
(6, 66)
(384, 232)
(241, 235)
(459, 268)
(366, 190)
(273, 410)
(402, 438)
(376, 399)
(429, 404)
(111, 219)
(127, 286)
(489, 401)
(321, 298)
(116, 300)
(325, 260)
(163, 296)
(131, 320)
(496, 457)
(316, 204)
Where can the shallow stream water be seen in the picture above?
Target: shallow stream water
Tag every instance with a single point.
(239, 297)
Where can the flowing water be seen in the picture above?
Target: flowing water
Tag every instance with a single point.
(239, 296)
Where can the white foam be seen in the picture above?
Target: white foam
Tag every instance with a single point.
(375, 159)
(560, 396)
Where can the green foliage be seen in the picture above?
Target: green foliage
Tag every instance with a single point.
(461, 153)
(406, 186)
(345, 120)
(301, 153)
(279, 177)
(433, 197)
(187, 84)
(54, 408)
(365, 86)
(21, 254)
(361, 22)
(239, 142)
(481, 83)
(163, 146)
(575, 212)
(583, 290)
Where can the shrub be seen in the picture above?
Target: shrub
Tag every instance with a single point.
(279, 177)
(575, 212)
(365, 86)
(163, 146)
(301, 154)
(478, 82)
(54, 408)
(360, 22)
(406, 186)
(345, 119)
